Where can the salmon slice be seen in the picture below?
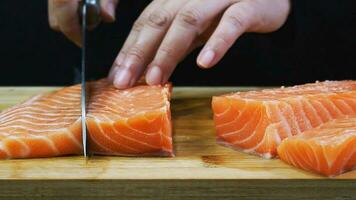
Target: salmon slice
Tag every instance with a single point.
(131, 122)
(329, 149)
(257, 121)
(43, 126)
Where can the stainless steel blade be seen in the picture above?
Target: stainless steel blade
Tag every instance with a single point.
(83, 61)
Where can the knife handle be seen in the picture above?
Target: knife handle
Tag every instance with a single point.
(93, 16)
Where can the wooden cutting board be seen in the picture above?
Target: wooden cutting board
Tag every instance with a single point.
(201, 169)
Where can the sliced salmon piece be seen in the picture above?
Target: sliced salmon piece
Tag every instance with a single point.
(131, 122)
(43, 126)
(329, 149)
(257, 121)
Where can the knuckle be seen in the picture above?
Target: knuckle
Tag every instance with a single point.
(159, 18)
(117, 62)
(189, 16)
(123, 51)
(222, 41)
(137, 26)
(166, 51)
(237, 21)
(137, 53)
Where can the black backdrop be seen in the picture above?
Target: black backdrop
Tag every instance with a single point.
(317, 43)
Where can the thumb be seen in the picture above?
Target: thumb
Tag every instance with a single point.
(108, 8)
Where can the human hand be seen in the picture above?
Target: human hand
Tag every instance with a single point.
(168, 30)
(63, 16)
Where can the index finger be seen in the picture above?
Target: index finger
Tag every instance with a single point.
(190, 22)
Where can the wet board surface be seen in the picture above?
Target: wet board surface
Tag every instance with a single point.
(201, 169)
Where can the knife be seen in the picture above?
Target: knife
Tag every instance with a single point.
(89, 15)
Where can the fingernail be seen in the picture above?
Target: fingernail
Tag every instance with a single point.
(110, 7)
(115, 67)
(112, 73)
(154, 76)
(122, 78)
(206, 58)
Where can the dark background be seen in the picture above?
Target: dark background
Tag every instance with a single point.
(318, 42)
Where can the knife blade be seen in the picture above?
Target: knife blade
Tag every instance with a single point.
(89, 13)
(83, 80)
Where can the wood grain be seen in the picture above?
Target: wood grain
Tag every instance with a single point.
(200, 169)
(179, 189)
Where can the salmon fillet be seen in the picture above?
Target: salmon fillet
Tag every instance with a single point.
(329, 149)
(43, 126)
(128, 122)
(257, 121)
(131, 122)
